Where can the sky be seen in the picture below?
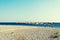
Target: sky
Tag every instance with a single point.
(29, 10)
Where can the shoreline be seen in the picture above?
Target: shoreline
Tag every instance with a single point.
(23, 27)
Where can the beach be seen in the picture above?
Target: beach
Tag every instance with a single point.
(28, 33)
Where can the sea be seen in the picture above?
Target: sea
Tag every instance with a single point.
(44, 24)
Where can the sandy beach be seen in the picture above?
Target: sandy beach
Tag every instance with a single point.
(28, 33)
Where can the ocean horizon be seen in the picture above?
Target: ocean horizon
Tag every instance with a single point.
(44, 24)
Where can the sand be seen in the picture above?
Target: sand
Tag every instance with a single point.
(28, 33)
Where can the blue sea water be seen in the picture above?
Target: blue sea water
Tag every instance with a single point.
(58, 26)
(52, 25)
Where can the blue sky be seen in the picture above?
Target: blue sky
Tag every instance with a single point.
(30, 10)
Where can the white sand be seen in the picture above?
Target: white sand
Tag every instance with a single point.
(27, 33)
